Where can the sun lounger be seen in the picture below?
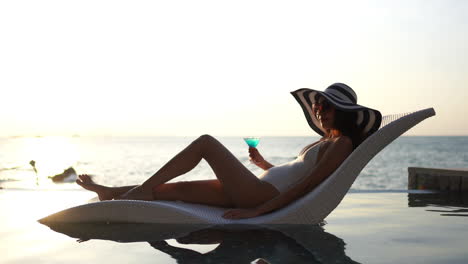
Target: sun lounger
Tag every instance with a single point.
(310, 209)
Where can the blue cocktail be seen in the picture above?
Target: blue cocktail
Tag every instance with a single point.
(252, 141)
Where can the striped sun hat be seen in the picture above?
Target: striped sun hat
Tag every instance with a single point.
(342, 97)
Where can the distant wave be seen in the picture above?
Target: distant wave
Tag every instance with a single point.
(12, 168)
(8, 180)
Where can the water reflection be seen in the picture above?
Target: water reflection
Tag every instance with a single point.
(453, 203)
(237, 244)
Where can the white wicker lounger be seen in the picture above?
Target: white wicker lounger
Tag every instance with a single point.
(310, 209)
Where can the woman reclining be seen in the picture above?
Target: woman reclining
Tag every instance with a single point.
(333, 113)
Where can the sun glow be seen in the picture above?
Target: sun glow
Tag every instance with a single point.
(51, 156)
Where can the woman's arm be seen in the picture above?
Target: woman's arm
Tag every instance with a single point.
(335, 154)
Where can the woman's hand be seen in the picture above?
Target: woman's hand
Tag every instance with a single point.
(255, 156)
(240, 213)
(258, 159)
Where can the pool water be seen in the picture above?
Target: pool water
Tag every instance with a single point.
(367, 227)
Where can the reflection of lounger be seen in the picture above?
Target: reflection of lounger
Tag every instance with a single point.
(311, 208)
(279, 244)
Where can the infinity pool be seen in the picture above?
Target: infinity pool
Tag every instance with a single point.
(367, 227)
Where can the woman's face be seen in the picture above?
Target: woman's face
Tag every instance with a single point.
(324, 112)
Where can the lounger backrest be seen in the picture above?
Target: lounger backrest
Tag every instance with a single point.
(316, 205)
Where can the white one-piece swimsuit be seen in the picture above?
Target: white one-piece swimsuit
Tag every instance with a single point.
(286, 175)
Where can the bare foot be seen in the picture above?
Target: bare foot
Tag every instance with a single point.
(104, 193)
(137, 193)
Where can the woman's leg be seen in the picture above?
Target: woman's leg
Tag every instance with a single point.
(209, 192)
(242, 188)
(103, 192)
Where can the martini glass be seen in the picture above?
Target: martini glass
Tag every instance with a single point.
(252, 142)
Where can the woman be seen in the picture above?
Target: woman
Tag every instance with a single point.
(334, 114)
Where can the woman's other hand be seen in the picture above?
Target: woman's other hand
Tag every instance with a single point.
(240, 213)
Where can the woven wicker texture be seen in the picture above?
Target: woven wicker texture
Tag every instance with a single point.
(310, 209)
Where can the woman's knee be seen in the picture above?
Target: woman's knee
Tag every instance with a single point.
(206, 140)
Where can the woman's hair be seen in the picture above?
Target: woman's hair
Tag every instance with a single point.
(345, 123)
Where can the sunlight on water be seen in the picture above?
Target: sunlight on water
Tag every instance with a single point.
(51, 155)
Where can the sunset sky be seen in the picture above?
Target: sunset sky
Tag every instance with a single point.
(153, 68)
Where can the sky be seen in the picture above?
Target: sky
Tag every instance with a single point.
(226, 68)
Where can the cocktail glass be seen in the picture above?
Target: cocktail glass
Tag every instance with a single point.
(252, 142)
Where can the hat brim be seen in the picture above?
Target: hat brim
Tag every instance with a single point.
(368, 120)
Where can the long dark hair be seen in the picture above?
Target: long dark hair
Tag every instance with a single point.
(345, 123)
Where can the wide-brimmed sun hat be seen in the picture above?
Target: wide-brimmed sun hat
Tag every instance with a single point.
(342, 97)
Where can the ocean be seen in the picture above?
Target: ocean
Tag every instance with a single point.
(130, 160)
